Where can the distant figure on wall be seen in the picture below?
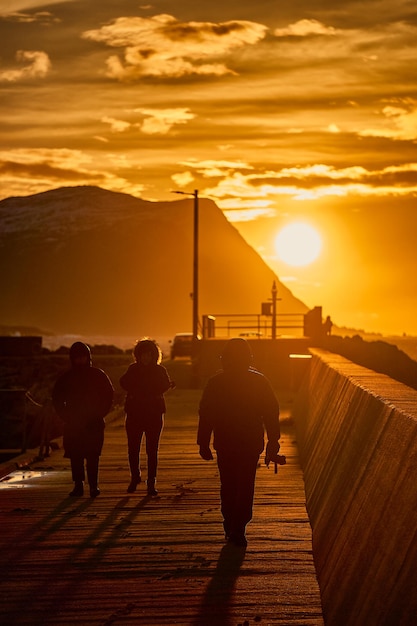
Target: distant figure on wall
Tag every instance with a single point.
(145, 381)
(82, 397)
(237, 406)
(327, 326)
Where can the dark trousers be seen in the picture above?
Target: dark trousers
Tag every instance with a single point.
(237, 487)
(78, 473)
(135, 431)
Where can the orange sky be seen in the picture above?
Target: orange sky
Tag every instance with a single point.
(276, 112)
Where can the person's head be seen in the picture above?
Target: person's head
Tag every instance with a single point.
(236, 355)
(147, 352)
(80, 354)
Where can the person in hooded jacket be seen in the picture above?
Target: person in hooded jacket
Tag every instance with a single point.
(237, 406)
(82, 397)
(145, 382)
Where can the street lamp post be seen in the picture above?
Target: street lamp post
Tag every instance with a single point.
(274, 298)
(195, 268)
(195, 264)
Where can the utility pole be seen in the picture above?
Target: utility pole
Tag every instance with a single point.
(195, 270)
(195, 294)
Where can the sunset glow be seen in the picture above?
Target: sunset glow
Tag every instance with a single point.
(298, 244)
(276, 113)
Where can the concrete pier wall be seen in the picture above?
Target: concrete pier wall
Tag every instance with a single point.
(357, 436)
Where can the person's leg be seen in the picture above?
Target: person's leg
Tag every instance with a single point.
(227, 473)
(237, 477)
(134, 439)
(245, 489)
(92, 474)
(153, 433)
(78, 475)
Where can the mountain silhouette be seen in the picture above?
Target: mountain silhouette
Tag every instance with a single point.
(85, 260)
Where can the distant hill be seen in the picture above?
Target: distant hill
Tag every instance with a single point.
(84, 260)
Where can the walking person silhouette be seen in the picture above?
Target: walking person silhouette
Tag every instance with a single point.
(82, 397)
(237, 406)
(145, 381)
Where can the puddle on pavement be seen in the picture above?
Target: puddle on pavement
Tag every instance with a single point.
(19, 479)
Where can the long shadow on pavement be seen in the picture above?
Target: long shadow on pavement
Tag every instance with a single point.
(218, 597)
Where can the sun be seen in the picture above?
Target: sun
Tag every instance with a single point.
(298, 244)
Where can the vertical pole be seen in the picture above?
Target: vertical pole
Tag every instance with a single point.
(274, 310)
(194, 295)
(195, 270)
(195, 346)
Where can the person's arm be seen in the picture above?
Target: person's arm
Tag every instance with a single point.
(272, 427)
(270, 412)
(108, 393)
(100, 398)
(164, 381)
(205, 425)
(126, 380)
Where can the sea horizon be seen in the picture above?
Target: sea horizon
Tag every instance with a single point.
(408, 344)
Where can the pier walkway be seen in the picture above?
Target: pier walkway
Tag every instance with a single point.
(127, 560)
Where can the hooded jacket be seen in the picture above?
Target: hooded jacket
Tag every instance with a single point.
(238, 404)
(82, 397)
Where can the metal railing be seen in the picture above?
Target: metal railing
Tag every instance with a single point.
(251, 325)
(14, 422)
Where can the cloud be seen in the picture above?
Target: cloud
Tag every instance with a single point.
(183, 179)
(116, 126)
(100, 138)
(25, 171)
(403, 119)
(245, 196)
(320, 170)
(214, 168)
(154, 122)
(37, 65)
(15, 7)
(162, 46)
(161, 121)
(247, 214)
(42, 17)
(305, 28)
(333, 128)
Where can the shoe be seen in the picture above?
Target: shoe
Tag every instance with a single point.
(77, 491)
(133, 484)
(238, 540)
(151, 488)
(237, 536)
(94, 492)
